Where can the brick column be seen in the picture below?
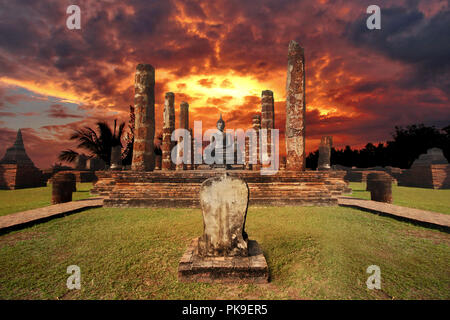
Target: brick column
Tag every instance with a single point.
(144, 106)
(295, 109)
(183, 124)
(168, 128)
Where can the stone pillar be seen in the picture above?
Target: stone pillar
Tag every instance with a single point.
(63, 184)
(192, 165)
(267, 121)
(325, 153)
(144, 108)
(248, 166)
(168, 128)
(116, 160)
(295, 109)
(183, 124)
(256, 126)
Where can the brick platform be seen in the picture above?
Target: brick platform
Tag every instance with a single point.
(181, 188)
(251, 269)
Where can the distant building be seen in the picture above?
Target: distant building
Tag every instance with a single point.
(17, 171)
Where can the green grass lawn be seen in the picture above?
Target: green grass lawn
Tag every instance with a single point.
(312, 253)
(420, 198)
(25, 199)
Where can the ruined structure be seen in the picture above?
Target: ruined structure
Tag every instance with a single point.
(268, 123)
(168, 128)
(17, 170)
(63, 185)
(325, 153)
(183, 124)
(256, 125)
(292, 186)
(295, 109)
(116, 159)
(144, 106)
(380, 186)
(430, 170)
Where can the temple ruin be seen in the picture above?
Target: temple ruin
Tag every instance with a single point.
(179, 184)
(17, 171)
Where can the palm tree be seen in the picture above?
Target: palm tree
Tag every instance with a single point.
(98, 144)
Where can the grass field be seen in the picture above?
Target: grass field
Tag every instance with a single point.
(25, 199)
(312, 253)
(420, 198)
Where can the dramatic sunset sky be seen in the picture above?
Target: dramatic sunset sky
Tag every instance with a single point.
(219, 56)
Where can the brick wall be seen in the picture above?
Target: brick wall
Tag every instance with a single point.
(435, 176)
(14, 176)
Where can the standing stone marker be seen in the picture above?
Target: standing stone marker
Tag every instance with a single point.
(325, 153)
(224, 204)
(295, 109)
(168, 128)
(223, 253)
(144, 106)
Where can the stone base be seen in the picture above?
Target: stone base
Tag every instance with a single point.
(251, 269)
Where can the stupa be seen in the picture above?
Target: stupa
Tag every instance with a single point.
(17, 170)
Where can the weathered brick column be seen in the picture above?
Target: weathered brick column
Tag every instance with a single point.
(63, 184)
(325, 153)
(256, 126)
(144, 106)
(183, 124)
(295, 109)
(168, 128)
(380, 187)
(267, 120)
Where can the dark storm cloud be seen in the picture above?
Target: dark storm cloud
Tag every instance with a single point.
(407, 36)
(372, 80)
(61, 112)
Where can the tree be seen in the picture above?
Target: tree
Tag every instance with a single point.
(407, 145)
(410, 142)
(97, 144)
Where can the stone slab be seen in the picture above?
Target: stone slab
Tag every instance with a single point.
(251, 269)
(30, 216)
(429, 217)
